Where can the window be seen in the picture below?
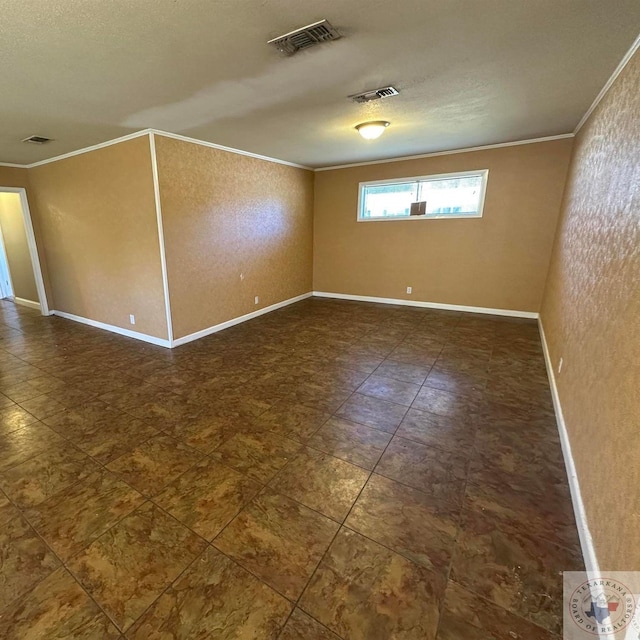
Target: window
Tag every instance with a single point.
(450, 195)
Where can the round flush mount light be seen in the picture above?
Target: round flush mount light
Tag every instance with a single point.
(372, 130)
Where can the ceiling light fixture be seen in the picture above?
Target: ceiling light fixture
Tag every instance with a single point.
(372, 130)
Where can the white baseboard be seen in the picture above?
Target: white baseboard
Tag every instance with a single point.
(230, 323)
(586, 541)
(430, 305)
(162, 342)
(27, 303)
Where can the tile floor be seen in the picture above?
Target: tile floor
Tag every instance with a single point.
(330, 470)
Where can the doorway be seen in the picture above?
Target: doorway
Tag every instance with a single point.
(20, 273)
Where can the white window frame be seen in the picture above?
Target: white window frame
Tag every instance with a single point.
(447, 216)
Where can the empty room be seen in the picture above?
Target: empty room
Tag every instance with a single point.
(320, 320)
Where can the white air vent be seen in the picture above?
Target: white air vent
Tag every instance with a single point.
(37, 140)
(304, 37)
(376, 94)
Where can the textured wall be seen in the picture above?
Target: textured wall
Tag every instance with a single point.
(97, 219)
(17, 247)
(591, 317)
(224, 215)
(497, 261)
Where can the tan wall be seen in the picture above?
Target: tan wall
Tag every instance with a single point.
(497, 261)
(13, 177)
(97, 219)
(17, 247)
(224, 215)
(591, 317)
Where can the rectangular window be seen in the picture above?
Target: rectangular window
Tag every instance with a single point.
(450, 195)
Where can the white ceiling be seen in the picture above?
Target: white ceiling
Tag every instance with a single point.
(470, 72)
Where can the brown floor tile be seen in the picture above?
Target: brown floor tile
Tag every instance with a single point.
(421, 357)
(154, 463)
(468, 616)
(407, 521)
(389, 389)
(7, 510)
(207, 497)
(445, 403)
(302, 627)
(550, 516)
(478, 449)
(350, 441)
(44, 405)
(443, 432)
(75, 517)
(279, 540)
(322, 482)
(214, 598)
(519, 573)
(373, 412)
(47, 473)
(438, 473)
(100, 430)
(258, 455)
(293, 420)
(403, 371)
(24, 560)
(130, 565)
(363, 591)
(13, 418)
(56, 608)
(24, 443)
(205, 433)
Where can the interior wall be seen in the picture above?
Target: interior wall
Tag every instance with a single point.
(497, 261)
(97, 219)
(591, 318)
(235, 227)
(17, 247)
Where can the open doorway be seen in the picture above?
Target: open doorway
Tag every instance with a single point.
(20, 272)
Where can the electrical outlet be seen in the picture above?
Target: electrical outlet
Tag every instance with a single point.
(132, 319)
(242, 276)
(560, 365)
(256, 300)
(409, 289)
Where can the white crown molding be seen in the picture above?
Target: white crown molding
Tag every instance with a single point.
(146, 132)
(430, 305)
(12, 165)
(618, 70)
(94, 147)
(435, 154)
(161, 342)
(230, 323)
(212, 145)
(584, 533)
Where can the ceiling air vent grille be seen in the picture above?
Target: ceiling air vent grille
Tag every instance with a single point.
(376, 94)
(305, 37)
(37, 140)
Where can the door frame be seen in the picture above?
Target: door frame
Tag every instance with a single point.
(33, 247)
(5, 260)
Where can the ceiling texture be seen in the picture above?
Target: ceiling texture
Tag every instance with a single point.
(469, 72)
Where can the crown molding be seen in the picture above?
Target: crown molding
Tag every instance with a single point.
(213, 145)
(618, 70)
(146, 132)
(485, 147)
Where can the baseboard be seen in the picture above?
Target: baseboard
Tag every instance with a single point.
(27, 303)
(110, 327)
(430, 305)
(586, 541)
(230, 323)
